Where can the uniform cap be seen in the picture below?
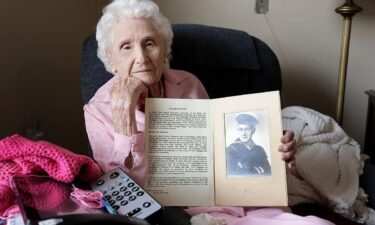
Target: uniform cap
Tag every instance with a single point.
(246, 119)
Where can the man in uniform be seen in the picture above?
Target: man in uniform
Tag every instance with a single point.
(244, 157)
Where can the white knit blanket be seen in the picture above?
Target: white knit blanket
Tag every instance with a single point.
(328, 165)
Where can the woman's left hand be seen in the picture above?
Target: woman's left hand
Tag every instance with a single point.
(288, 148)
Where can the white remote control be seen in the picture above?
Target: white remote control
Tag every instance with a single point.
(125, 196)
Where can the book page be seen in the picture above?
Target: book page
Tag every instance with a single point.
(248, 167)
(179, 144)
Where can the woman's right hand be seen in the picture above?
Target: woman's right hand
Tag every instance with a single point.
(124, 95)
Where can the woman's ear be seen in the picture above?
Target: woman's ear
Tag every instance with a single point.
(167, 57)
(113, 68)
(112, 64)
(165, 50)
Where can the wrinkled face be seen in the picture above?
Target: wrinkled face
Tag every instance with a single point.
(245, 132)
(138, 50)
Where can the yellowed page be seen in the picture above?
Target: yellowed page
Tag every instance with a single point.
(178, 141)
(237, 182)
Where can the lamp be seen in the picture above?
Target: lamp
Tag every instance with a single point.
(347, 10)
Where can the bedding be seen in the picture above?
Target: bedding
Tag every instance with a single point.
(329, 164)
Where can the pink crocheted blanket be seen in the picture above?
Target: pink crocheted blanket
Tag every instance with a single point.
(19, 155)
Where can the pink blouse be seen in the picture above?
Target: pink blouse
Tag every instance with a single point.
(110, 149)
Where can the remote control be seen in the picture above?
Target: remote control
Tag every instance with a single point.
(125, 196)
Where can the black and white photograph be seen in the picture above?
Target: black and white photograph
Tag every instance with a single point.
(247, 144)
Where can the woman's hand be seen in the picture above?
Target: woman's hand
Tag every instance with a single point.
(124, 96)
(288, 148)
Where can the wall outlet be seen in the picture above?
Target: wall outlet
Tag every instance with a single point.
(261, 6)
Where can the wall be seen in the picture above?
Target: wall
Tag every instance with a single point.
(100, 5)
(41, 48)
(306, 36)
(40, 55)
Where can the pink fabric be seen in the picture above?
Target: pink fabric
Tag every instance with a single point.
(111, 149)
(19, 155)
(257, 216)
(43, 194)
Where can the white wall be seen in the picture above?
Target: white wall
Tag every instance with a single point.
(40, 54)
(306, 37)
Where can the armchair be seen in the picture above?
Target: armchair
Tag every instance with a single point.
(228, 62)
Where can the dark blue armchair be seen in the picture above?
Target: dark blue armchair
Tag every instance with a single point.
(228, 62)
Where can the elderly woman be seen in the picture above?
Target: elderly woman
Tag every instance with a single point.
(134, 43)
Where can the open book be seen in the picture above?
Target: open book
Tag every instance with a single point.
(206, 152)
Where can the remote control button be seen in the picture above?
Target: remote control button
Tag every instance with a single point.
(104, 192)
(100, 182)
(146, 204)
(114, 175)
(131, 184)
(112, 188)
(123, 203)
(115, 207)
(123, 189)
(132, 198)
(140, 193)
(127, 193)
(119, 198)
(119, 184)
(135, 189)
(134, 211)
(107, 197)
(112, 202)
(115, 193)
(137, 210)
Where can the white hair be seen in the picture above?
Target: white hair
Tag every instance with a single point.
(130, 9)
